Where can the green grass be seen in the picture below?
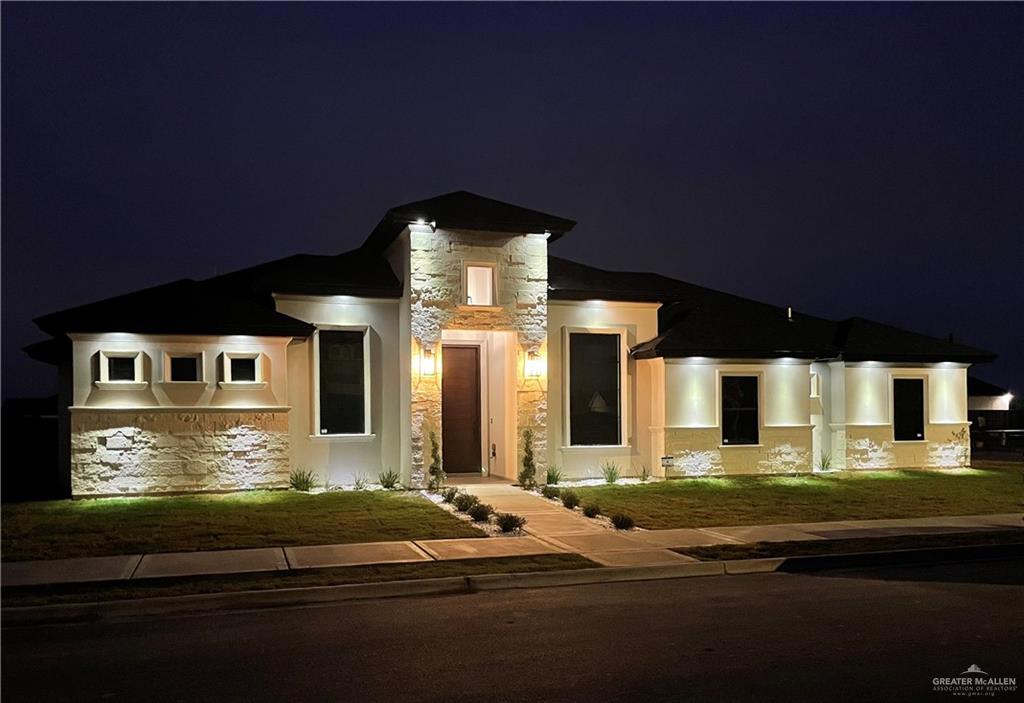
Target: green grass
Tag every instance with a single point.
(80, 528)
(862, 495)
(760, 550)
(152, 588)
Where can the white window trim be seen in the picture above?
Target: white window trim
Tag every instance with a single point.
(815, 385)
(759, 375)
(924, 400)
(493, 266)
(228, 382)
(367, 388)
(624, 393)
(200, 356)
(136, 384)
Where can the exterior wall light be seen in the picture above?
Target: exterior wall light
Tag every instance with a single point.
(428, 365)
(533, 367)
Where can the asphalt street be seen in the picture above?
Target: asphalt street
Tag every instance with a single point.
(866, 635)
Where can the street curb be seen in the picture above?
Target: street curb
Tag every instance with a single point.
(819, 562)
(318, 595)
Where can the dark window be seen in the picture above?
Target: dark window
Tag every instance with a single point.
(907, 409)
(243, 369)
(342, 391)
(184, 368)
(120, 368)
(594, 401)
(739, 410)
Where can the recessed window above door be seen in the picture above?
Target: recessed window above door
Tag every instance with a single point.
(480, 285)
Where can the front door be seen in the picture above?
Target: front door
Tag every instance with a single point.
(460, 409)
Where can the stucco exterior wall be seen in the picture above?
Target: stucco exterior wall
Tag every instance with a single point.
(162, 394)
(866, 439)
(639, 322)
(341, 460)
(436, 304)
(158, 451)
(693, 435)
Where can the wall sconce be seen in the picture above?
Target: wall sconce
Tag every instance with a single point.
(532, 368)
(428, 367)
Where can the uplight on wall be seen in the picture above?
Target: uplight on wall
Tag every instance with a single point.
(428, 365)
(533, 367)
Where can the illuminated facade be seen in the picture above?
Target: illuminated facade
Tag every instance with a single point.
(454, 324)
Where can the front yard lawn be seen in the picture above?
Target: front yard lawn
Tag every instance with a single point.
(766, 500)
(85, 528)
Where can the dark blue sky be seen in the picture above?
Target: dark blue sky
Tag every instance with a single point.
(844, 159)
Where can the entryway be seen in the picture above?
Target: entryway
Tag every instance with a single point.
(478, 396)
(460, 409)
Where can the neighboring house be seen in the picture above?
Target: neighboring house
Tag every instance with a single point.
(454, 321)
(995, 423)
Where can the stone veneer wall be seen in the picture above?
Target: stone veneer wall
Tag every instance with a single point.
(436, 304)
(872, 447)
(172, 452)
(696, 452)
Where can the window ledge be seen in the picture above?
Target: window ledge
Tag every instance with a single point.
(595, 447)
(121, 385)
(344, 437)
(243, 385)
(481, 308)
(738, 446)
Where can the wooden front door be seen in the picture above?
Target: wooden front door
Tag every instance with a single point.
(460, 409)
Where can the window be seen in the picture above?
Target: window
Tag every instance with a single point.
(479, 284)
(120, 369)
(342, 376)
(595, 389)
(242, 368)
(908, 409)
(739, 410)
(183, 368)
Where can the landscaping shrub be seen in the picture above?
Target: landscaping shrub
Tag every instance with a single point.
(448, 494)
(464, 501)
(554, 475)
(437, 475)
(388, 479)
(301, 480)
(509, 522)
(622, 522)
(591, 510)
(645, 473)
(550, 491)
(610, 471)
(570, 499)
(480, 512)
(528, 476)
(360, 483)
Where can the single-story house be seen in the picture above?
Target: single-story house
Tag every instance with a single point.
(454, 324)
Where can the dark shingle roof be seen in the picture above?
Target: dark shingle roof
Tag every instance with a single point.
(465, 210)
(360, 272)
(181, 307)
(977, 387)
(698, 321)
(867, 340)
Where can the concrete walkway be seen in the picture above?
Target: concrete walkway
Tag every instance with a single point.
(550, 528)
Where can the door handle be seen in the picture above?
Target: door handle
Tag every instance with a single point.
(494, 450)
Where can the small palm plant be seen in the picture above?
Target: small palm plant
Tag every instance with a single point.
(301, 480)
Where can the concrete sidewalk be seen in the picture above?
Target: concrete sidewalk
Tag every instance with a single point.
(550, 529)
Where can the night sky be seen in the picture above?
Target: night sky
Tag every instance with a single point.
(846, 160)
